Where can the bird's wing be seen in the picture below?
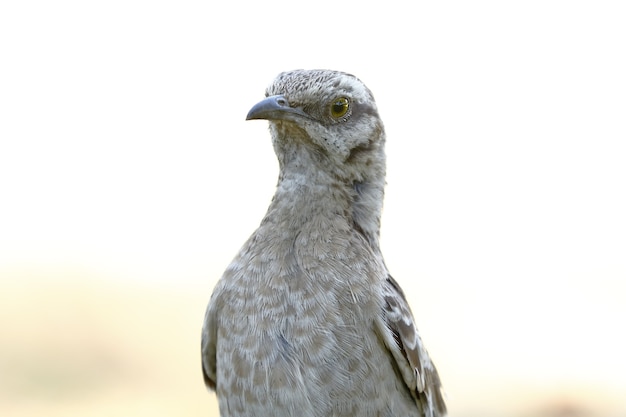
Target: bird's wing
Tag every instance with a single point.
(398, 330)
(208, 346)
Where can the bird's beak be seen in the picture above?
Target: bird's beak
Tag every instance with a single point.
(275, 108)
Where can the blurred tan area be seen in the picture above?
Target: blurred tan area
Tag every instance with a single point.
(74, 343)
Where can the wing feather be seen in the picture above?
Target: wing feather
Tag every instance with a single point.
(402, 339)
(208, 346)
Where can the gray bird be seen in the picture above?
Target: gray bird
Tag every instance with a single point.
(307, 321)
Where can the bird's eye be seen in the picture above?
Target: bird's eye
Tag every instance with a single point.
(339, 107)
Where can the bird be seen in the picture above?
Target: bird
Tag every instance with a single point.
(307, 321)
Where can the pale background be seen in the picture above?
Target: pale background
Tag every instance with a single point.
(129, 179)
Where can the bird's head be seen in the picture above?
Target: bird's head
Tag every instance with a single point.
(331, 116)
(327, 133)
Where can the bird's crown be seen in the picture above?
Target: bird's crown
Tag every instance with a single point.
(307, 85)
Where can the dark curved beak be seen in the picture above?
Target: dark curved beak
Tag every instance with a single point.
(275, 108)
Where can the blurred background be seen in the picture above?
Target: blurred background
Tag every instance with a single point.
(129, 179)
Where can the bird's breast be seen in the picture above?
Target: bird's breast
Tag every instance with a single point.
(300, 316)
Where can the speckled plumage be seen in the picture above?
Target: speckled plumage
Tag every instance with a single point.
(306, 320)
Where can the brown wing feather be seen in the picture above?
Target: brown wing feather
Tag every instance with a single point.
(405, 344)
(207, 347)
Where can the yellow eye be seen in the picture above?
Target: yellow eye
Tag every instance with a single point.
(339, 107)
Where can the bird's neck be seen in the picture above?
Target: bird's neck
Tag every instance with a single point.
(305, 193)
(308, 194)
